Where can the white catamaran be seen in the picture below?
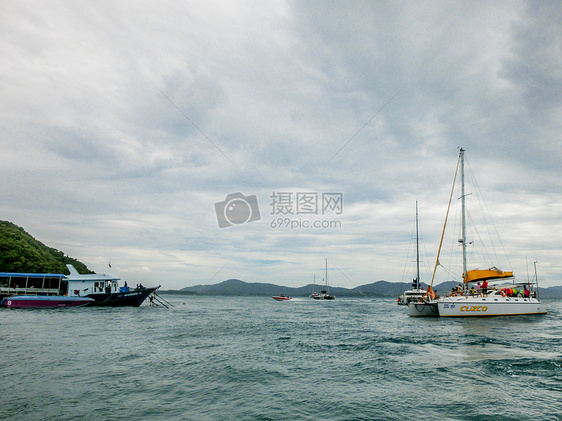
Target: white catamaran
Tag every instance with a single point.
(496, 293)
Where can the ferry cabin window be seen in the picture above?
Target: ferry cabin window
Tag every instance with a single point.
(51, 282)
(19, 281)
(4, 281)
(34, 283)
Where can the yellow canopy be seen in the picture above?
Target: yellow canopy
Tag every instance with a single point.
(482, 274)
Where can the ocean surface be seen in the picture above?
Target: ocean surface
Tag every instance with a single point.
(253, 358)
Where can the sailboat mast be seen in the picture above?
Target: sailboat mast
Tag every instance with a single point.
(417, 250)
(536, 280)
(327, 287)
(463, 239)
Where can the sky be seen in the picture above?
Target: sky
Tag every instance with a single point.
(126, 127)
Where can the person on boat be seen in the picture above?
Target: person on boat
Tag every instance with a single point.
(478, 288)
(430, 293)
(485, 287)
(472, 291)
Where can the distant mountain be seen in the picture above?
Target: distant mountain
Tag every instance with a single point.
(20, 252)
(376, 289)
(551, 292)
(238, 287)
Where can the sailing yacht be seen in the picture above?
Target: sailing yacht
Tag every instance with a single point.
(501, 295)
(314, 293)
(416, 292)
(324, 294)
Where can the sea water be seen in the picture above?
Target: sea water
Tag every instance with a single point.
(253, 358)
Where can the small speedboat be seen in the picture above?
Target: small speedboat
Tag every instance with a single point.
(45, 301)
(281, 297)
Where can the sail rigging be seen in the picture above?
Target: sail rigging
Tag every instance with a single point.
(444, 226)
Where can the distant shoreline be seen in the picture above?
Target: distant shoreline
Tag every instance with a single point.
(382, 289)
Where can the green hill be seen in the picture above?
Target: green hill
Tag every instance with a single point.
(20, 252)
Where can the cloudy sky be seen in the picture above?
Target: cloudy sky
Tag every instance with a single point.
(125, 125)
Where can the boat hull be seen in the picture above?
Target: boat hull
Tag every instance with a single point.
(279, 298)
(486, 307)
(411, 295)
(423, 309)
(132, 298)
(45, 301)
